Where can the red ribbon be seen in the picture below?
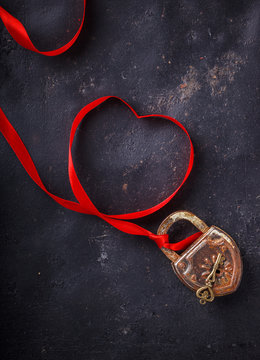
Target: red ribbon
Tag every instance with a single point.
(84, 204)
(19, 34)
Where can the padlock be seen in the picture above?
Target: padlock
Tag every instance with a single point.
(211, 265)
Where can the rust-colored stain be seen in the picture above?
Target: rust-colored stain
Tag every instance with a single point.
(124, 187)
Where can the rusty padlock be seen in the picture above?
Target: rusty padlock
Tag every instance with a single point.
(211, 265)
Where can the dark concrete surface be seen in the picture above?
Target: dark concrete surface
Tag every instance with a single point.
(72, 287)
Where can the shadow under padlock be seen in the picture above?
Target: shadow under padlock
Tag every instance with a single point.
(212, 265)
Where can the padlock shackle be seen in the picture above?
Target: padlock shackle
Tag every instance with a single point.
(173, 218)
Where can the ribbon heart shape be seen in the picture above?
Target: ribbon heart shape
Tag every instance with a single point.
(84, 204)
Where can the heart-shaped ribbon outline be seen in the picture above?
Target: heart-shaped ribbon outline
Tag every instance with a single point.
(84, 204)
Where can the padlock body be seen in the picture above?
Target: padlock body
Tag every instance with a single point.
(196, 262)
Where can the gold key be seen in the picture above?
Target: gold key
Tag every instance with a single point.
(205, 293)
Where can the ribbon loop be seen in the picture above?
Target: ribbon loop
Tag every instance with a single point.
(19, 33)
(84, 204)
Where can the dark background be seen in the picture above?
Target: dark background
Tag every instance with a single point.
(73, 287)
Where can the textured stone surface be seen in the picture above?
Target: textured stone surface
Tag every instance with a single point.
(72, 287)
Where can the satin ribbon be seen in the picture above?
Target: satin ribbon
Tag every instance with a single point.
(84, 204)
(19, 34)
